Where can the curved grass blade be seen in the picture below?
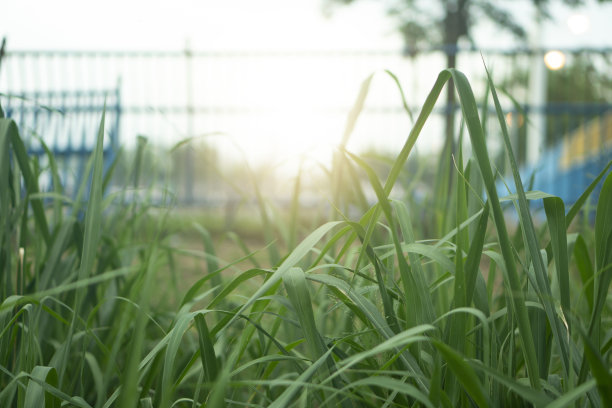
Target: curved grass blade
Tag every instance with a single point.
(9, 130)
(291, 260)
(464, 374)
(35, 395)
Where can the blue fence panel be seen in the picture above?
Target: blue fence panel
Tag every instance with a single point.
(67, 122)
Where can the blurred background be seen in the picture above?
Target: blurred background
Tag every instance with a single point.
(222, 91)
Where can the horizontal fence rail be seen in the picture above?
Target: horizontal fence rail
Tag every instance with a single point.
(278, 104)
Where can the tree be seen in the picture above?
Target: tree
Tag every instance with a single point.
(442, 24)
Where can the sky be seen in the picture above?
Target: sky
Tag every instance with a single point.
(269, 25)
(247, 24)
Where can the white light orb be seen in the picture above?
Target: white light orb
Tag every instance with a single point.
(554, 60)
(579, 23)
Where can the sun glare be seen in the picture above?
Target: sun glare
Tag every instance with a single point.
(554, 60)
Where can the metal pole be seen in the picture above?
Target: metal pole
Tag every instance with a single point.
(537, 88)
(189, 168)
(2, 52)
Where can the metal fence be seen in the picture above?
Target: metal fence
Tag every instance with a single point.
(271, 103)
(66, 123)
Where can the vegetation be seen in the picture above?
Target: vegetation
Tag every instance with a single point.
(383, 310)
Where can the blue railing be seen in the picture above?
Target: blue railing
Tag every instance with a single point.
(67, 122)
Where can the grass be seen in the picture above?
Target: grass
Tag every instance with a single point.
(435, 303)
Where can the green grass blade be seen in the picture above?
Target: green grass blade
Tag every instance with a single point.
(287, 396)
(8, 128)
(555, 213)
(207, 350)
(91, 236)
(416, 294)
(603, 252)
(35, 394)
(297, 292)
(353, 115)
(211, 262)
(464, 373)
(577, 206)
(290, 261)
(600, 368)
(401, 91)
(479, 148)
(585, 268)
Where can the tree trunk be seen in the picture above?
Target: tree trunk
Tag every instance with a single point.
(455, 26)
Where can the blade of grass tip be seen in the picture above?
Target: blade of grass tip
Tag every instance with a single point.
(603, 256)
(479, 148)
(398, 164)
(555, 213)
(355, 182)
(371, 218)
(91, 236)
(57, 183)
(268, 228)
(108, 176)
(339, 160)
(294, 209)
(243, 246)
(140, 149)
(211, 262)
(9, 128)
(401, 91)
(355, 111)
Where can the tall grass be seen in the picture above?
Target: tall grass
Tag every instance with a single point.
(367, 312)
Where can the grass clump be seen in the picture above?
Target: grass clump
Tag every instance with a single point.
(363, 312)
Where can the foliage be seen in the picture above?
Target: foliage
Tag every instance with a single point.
(361, 312)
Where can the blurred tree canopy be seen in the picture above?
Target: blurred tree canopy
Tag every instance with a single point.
(580, 86)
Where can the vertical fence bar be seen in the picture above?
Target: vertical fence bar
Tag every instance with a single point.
(189, 168)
